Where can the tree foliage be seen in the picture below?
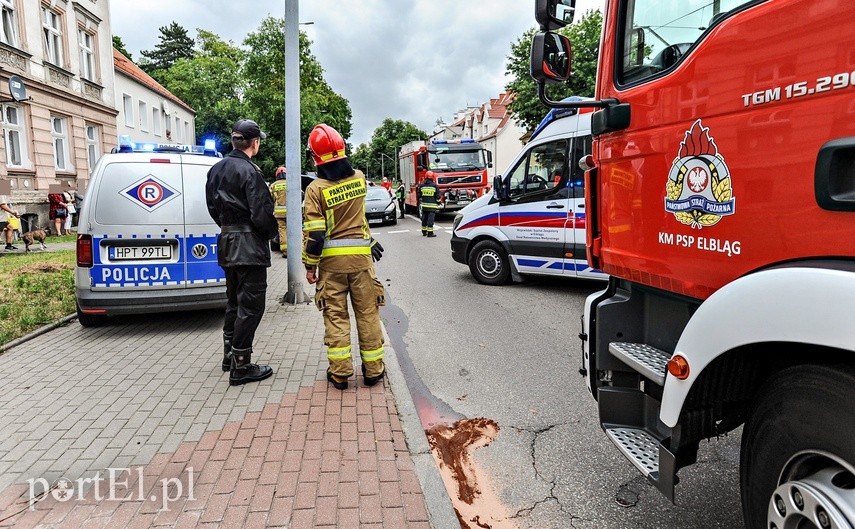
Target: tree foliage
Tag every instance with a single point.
(380, 156)
(174, 44)
(584, 36)
(120, 46)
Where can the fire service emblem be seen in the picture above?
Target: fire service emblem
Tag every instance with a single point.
(699, 191)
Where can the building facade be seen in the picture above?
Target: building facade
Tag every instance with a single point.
(148, 112)
(61, 51)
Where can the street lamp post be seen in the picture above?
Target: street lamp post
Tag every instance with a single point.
(383, 167)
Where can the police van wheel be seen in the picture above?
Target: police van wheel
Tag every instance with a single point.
(489, 264)
(89, 320)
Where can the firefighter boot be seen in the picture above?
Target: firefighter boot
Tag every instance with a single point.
(227, 352)
(373, 372)
(243, 370)
(338, 382)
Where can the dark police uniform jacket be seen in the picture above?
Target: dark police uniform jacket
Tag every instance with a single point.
(239, 201)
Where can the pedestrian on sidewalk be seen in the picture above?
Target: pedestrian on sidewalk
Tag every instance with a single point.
(68, 199)
(279, 191)
(338, 254)
(400, 194)
(428, 193)
(57, 212)
(5, 211)
(240, 203)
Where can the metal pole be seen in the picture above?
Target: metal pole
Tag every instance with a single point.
(293, 159)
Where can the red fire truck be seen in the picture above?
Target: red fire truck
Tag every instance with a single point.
(721, 201)
(460, 167)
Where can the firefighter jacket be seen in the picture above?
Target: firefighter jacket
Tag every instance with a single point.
(428, 194)
(335, 232)
(239, 202)
(278, 189)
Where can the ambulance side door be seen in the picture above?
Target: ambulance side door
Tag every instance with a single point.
(576, 260)
(534, 215)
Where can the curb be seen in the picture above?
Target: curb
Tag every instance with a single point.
(439, 506)
(38, 332)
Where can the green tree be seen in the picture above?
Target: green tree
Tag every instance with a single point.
(264, 70)
(120, 46)
(211, 82)
(584, 36)
(174, 45)
(380, 156)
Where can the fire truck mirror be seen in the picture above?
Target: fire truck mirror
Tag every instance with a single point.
(554, 14)
(550, 57)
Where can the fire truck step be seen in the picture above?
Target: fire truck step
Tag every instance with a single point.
(639, 447)
(650, 362)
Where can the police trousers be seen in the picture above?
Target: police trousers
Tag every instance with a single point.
(283, 235)
(428, 214)
(246, 287)
(366, 295)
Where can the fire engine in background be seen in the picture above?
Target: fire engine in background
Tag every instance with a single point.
(721, 201)
(460, 167)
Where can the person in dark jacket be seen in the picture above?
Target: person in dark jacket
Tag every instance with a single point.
(240, 203)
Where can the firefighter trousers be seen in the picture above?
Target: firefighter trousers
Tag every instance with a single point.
(283, 236)
(366, 295)
(246, 287)
(428, 214)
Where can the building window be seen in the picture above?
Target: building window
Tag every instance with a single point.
(9, 26)
(143, 116)
(93, 142)
(187, 137)
(155, 121)
(177, 129)
(87, 55)
(52, 27)
(59, 131)
(128, 104)
(14, 137)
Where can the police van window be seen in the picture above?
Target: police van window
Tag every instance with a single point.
(195, 207)
(657, 33)
(139, 194)
(543, 169)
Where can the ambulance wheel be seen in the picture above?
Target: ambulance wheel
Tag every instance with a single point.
(797, 460)
(489, 264)
(89, 320)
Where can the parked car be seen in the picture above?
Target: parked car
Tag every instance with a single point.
(380, 207)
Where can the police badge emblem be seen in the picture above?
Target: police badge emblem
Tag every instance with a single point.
(699, 191)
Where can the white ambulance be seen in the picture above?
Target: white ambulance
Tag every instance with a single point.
(146, 242)
(534, 221)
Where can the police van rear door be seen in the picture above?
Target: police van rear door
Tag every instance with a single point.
(138, 224)
(200, 242)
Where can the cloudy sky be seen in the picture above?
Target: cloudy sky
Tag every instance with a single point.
(416, 60)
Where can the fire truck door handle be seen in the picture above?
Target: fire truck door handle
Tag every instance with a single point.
(555, 205)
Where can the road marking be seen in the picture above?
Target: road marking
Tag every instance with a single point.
(399, 231)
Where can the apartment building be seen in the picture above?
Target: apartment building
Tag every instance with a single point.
(60, 53)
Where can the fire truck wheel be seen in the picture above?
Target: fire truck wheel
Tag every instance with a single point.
(797, 464)
(488, 263)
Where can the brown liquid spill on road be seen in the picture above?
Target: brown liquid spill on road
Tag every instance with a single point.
(475, 503)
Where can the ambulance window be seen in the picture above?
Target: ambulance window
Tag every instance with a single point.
(139, 194)
(657, 33)
(543, 169)
(576, 183)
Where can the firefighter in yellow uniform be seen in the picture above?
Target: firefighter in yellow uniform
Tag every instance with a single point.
(279, 189)
(338, 253)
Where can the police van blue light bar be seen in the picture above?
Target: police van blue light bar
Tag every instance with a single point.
(210, 145)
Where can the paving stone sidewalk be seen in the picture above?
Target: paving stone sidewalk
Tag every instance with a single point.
(134, 425)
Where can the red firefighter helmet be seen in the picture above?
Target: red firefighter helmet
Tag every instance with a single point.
(280, 171)
(326, 144)
(431, 175)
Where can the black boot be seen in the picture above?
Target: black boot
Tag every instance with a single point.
(227, 352)
(336, 381)
(370, 381)
(243, 370)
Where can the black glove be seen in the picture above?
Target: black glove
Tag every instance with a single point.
(376, 250)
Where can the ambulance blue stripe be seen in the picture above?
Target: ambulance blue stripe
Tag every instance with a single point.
(531, 262)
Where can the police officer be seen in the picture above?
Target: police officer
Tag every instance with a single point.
(240, 203)
(278, 189)
(338, 253)
(401, 194)
(428, 194)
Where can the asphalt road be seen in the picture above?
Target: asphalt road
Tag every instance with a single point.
(511, 354)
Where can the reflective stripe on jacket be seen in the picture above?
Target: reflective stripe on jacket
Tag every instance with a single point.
(278, 190)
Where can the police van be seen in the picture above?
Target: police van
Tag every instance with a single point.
(146, 242)
(534, 221)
